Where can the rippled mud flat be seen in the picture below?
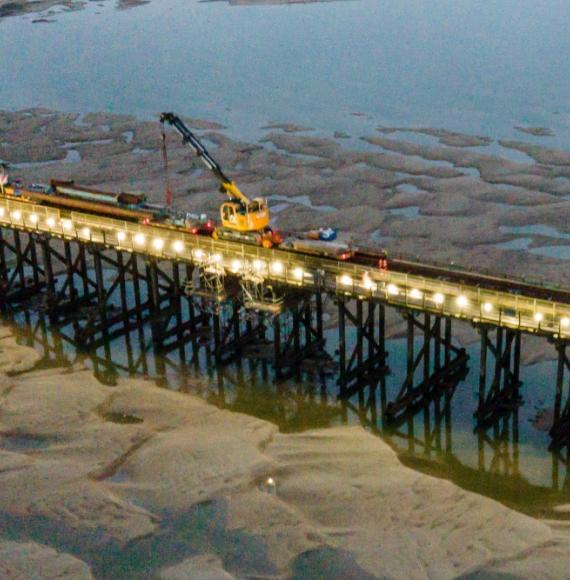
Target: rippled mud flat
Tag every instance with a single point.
(425, 193)
(140, 481)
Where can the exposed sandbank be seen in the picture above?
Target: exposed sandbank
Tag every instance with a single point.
(342, 505)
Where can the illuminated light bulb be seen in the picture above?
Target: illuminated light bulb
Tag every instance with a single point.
(346, 280)
(178, 246)
(158, 243)
(139, 239)
(17, 215)
(538, 316)
(415, 293)
(67, 224)
(298, 273)
(258, 265)
(2, 212)
(33, 218)
(462, 301)
(236, 265)
(565, 322)
(487, 307)
(50, 222)
(86, 232)
(438, 298)
(121, 236)
(368, 283)
(393, 289)
(277, 268)
(198, 254)
(217, 258)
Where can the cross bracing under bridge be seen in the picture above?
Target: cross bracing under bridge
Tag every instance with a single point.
(188, 286)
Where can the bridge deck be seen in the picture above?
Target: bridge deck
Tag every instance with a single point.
(519, 308)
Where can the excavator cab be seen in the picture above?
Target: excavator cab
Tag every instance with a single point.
(245, 217)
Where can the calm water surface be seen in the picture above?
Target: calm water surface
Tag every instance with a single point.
(460, 64)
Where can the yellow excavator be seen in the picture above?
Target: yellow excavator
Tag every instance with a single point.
(242, 219)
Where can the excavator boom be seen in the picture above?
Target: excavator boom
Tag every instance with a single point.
(190, 139)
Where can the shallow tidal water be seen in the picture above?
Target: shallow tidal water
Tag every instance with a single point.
(340, 66)
(508, 461)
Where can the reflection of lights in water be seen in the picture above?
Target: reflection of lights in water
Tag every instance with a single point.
(270, 486)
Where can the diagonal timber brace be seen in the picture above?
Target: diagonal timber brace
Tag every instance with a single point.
(501, 351)
(437, 365)
(362, 359)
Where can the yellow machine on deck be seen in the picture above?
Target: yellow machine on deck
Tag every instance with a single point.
(242, 219)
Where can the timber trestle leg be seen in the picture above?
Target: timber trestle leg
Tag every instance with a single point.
(298, 333)
(361, 343)
(503, 347)
(438, 365)
(560, 431)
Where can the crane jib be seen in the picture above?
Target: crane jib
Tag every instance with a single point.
(189, 138)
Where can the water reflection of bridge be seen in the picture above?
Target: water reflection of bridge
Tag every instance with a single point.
(420, 431)
(423, 437)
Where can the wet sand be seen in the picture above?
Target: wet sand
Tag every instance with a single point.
(101, 477)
